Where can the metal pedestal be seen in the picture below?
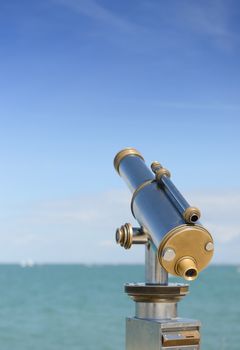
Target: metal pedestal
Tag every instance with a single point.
(174, 334)
(156, 325)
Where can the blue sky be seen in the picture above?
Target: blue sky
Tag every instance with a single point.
(81, 80)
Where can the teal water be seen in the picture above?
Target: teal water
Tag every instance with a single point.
(70, 307)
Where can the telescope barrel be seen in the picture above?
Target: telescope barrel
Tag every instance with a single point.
(178, 200)
(164, 213)
(131, 166)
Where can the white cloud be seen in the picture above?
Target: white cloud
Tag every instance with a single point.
(152, 25)
(82, 229)
(220, 212)
(94, 10)
(211, 17)
(107, 243)
(193, 106)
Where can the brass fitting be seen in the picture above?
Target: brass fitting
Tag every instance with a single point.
(155, 166)
(159, 171)
(193, 248)
(191, 215)
(186, 268)
(124, 153)
(127, 235)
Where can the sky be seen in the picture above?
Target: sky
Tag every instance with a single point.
(82, 79)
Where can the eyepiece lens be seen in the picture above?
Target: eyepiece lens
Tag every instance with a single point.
(191, 273)
(194, 218)
(118, 236)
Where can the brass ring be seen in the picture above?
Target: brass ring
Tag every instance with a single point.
(144, 184)
(124, 153)
(160, 172)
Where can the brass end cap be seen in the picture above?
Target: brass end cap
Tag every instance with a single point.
(155, 166)
(127, 235)
(193, 249)
(191, 215)
(124, 153)
(124, 236)
(186, 268)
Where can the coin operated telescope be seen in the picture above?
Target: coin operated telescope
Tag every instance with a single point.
(175, 242)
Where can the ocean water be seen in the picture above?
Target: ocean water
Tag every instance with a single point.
(70, 307)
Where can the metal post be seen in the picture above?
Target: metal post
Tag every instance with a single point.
(154, 272)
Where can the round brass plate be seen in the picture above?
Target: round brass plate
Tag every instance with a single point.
(124, 153)
(188, 241)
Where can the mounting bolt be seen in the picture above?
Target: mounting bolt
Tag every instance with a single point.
(169, 254)
(209, 246)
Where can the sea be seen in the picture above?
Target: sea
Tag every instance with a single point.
(72, 307)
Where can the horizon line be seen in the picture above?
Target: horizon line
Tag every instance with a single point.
(31, 263)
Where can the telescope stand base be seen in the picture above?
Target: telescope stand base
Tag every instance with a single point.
(162, 334)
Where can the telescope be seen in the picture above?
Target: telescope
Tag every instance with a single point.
(175, 243)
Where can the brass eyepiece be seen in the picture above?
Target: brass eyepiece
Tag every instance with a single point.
(191, 215)
(186, 268)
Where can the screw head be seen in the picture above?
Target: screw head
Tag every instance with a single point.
(209, 246)
(169, 254)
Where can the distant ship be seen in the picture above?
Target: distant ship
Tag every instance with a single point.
(27, 263)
